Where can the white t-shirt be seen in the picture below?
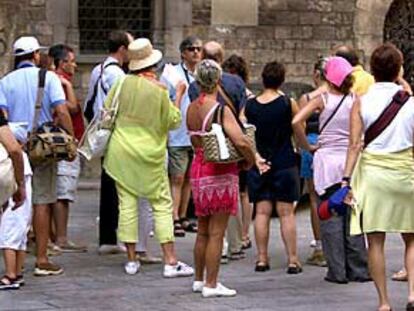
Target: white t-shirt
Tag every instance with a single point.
(399, 134)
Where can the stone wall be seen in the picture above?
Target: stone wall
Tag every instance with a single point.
(294, 32)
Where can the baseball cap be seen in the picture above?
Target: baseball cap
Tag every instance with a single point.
(337, 69)
(26, 45)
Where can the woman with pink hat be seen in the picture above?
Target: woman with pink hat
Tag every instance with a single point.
(346, 256)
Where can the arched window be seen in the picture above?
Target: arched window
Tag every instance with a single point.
(399, 29)
(97, 18)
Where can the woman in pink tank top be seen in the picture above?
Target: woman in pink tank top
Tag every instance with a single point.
(215, 186)
(345, 255)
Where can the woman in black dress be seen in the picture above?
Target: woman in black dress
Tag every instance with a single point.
(271, 112)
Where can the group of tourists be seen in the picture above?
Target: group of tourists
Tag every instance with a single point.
(353, 140)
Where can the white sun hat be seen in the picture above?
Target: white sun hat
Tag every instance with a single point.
(142, 55)
(26, 45)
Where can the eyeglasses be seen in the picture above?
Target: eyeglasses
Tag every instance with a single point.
(194, 48)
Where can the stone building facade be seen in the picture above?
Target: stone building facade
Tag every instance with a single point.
(295, 32)
(292, 31)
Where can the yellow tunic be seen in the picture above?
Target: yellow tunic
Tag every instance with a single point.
(383, 187)
(362, 80)
(136, 152)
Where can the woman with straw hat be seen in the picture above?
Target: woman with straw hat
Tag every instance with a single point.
(135, 158)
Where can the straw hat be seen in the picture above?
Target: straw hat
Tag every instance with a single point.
(142, 55)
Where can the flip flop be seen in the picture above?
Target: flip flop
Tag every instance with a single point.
(400, 276)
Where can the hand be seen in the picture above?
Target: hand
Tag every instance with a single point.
(19, 196)
(313, 148)
(65, 81)
(262, 165)
(180, 89)
(349, 199)
(244, 165)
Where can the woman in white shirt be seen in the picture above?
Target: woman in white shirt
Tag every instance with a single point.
(382, 180)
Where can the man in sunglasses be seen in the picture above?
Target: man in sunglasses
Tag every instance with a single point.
(180, 152)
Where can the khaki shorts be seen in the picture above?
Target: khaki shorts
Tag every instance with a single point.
(179, 160)
(44, 183)
(67, 180)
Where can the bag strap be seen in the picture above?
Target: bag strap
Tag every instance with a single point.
(39, 97)
(226, 98)
(89, 104)
(208, 116)
(332, 114)
(386, 117)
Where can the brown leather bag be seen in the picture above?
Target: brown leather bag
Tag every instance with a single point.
(49, 142)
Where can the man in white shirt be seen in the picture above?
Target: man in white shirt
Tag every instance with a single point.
(103, 76)
(180, 152)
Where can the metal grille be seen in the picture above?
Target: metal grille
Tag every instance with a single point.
(97, 18)
(399, 29)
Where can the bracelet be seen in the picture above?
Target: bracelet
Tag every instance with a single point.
(346, 179)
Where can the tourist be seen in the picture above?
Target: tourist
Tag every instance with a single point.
(382, 178)
(346, 255)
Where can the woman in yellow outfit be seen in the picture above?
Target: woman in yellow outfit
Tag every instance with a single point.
(382, 181)
(136, 153)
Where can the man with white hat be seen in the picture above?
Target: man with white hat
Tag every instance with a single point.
(18, 93)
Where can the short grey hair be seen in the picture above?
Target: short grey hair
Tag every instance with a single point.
(208, 74)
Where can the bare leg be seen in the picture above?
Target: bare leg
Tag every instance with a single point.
(246, 214)
(177, 182)
(376, 263)
(168, 250)
(60, 217)
(131, 251)
(10, 262)
(185, 198)
(216, 228)
(200, 248)
(41, 222)
(21, 256)
(313, 198)
(288, 229)
(409, 263)
(261, 229)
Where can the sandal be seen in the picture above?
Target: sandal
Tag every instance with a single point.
(178, 229)
(400, 276)
(294, 268)
(188, 226)
(237, 255)
(246, 244)
(7, 283)
(261, 266)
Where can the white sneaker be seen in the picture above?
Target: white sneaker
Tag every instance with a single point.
(312, 243)
(132, 267)
(107, 249)
(219, 291)
(178, 270)
(198, 286)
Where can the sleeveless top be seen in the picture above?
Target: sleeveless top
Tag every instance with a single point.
(273, 122)
(329, 159)
(312, 123)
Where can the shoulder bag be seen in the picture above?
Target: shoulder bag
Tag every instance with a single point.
(216, 140)
(7, 179)
(96, 137)
(386, 117)
(48, 142)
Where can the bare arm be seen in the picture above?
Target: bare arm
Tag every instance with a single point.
(179, 93)
(355, 140)
(299, 119)
(71, 99)
(63, 118)
(15, 151)
(236, 135)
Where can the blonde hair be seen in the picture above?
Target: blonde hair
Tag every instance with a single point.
(208, 74)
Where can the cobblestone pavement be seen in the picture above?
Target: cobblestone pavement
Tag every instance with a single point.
(93, 282)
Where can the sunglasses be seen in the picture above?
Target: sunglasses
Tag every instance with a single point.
(194, 49)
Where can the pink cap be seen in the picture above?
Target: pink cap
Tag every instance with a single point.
(337, 69)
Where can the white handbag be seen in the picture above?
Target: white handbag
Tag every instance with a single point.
(7, 179)
(96, 138)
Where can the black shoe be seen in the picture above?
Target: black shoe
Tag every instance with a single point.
(261, 266)
(294, 269)
(335, 281)
(410, 306)
(361, 279)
